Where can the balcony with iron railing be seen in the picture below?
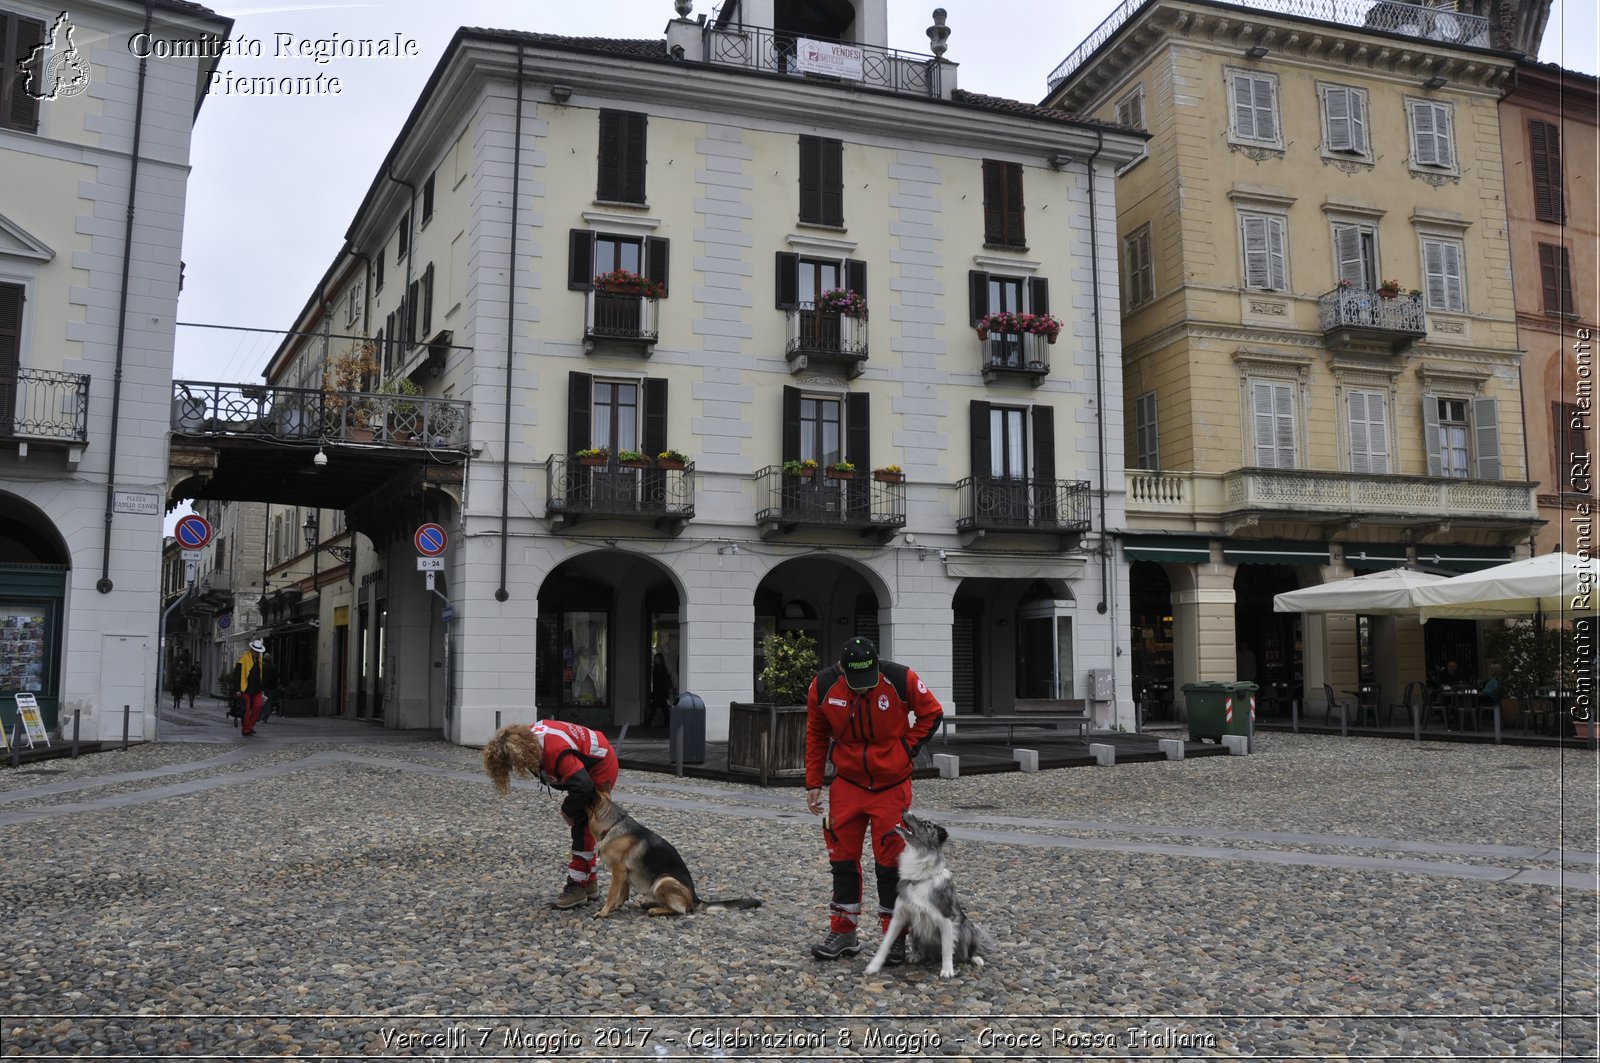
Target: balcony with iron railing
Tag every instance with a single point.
(1361, 319)
(1158, 498)
(761, 48)
(262, 411)
(786, 501)
(1022, 504)
(44, 406)
(577, 489)
(620, 318)
(826, 337)
(1010, 357)
(1386, 16)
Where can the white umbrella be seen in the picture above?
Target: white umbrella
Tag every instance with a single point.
(1387, 593)
(1557, 585)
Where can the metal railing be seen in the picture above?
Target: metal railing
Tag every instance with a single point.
(815, 498)
(760, 48)
(1365, 308)
(618, 316)
(263, 411)
(44, 404)
(1016, 352)
(827, 334)
(1023, 504)
(573, 487)
(1341, 492)
(1411, 20)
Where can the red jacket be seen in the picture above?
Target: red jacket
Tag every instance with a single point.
(874, 740)
(566, 747)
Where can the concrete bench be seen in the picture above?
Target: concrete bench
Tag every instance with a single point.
(1060, 714)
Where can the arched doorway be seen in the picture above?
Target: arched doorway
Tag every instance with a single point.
(602, 617)
(1012, 638)
(824, 596)
(34, 563)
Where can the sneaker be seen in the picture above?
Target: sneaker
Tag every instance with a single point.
(575, 893)
(836, 944)
(897, 953)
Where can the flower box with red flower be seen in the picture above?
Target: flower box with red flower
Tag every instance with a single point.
(627, 282)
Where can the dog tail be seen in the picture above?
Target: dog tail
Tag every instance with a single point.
(741, 903)
(512, 751)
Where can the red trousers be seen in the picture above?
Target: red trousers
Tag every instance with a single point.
(851, 811)
(252, 712)
(581, 869)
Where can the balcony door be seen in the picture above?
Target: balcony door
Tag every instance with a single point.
(1013, 464)
(10, 354)
(1005, 296)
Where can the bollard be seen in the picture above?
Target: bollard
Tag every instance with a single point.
(497, 720)
(76, 713)
(16, 741)
(1027, 759)
(949, 765)
(1172, 747)
(1344, 719)
(1104, 754)
(1236, 745)
(676, 743)
(764, 754)
(1497, 721)
(1416, 722)
(1294, 715)
(1250, 729)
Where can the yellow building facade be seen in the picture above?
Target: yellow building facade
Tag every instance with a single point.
(1321, 366)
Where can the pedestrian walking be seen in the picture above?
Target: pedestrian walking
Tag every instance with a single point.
(870, 717)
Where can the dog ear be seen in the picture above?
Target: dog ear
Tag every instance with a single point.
(940, 833)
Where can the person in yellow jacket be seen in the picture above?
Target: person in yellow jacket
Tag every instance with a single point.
(252, 683)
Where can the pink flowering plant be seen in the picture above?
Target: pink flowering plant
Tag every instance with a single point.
(844, 301)
(1007, 322)
(627, 282)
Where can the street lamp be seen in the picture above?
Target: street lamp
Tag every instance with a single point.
(309, 530)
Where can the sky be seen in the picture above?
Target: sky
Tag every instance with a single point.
(276, 180)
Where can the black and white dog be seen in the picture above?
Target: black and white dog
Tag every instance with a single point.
(927, 904)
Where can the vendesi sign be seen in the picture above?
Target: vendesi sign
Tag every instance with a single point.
(828, 57)
(134, 502)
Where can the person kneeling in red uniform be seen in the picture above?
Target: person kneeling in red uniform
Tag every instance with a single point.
(877, 715)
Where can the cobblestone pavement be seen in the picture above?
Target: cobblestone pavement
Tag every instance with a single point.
(333, 890)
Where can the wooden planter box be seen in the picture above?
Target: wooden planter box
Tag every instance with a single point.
(889, 477)
(778, 730)
(668, 463)
(591, 461)
(841, 474)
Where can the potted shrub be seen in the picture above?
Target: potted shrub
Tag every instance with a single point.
(795, 467)
(769, 737)
(348, 374)
(627, 282)
(841, 470)
(632, 459)
(1389, 289)
(593, 456)
(889, 474)
(671, 459)
(1528, 661)
(845, 301)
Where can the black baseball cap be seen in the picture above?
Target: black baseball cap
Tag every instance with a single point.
(860, 660)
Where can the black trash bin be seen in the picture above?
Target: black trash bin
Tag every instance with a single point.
(687, 726)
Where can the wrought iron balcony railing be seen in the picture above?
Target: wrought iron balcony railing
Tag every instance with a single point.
(760, 48)
(826, 336)
(262, 411)
(620, 316)
(575, 489)
(1009, 355)
(44, 404)
(1386, 16)
(1399, 319)
(860, 502)
(1003, 503)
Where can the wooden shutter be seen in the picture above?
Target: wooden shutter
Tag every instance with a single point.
(1013, 212)
(580, 396)
(654, 437)
(978, 294)
(858, 430)
(1038, 295)
(994, 221)
(1424, 149)
(1340, 104)
(427, 301)
(1486, 437)
(22, 110)
(1147, 432)
(982, 455)
(1549, 198)
(786, 286)
(622, 157)
(580, 259)
(1244, 123)
(832, 183)
(1044, 447)
(1277, 268)
(11, 301)
(1432, 438)
(855, 276)
(1272, 412)
(1369, 436)
(634, 159)
(1555, 273)
(791, 423)
(811, 179)
(1257, 272)
(1441, 268)
(1358, 121)
(377, 272)
(655, 261)
(1454, 287)
(1347, 251)
(1266, 117)
(409, 312)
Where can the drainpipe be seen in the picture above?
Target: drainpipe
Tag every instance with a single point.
(502, 594)
(104, 585)
(1106, 550)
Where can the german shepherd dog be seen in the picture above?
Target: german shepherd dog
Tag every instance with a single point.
(643, 861)
(927, 904)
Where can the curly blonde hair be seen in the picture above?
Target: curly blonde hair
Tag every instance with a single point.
(513, 750)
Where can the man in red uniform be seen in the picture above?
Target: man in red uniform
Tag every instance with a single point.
(871, 717)
(566, 756)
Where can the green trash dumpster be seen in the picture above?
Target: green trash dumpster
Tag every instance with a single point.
(1208, 705)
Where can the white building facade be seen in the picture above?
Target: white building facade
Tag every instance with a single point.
(740, 169)
(88, 299)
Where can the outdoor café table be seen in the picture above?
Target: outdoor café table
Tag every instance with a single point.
(1546, 709)
(1368, 699)
(1461, 701)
